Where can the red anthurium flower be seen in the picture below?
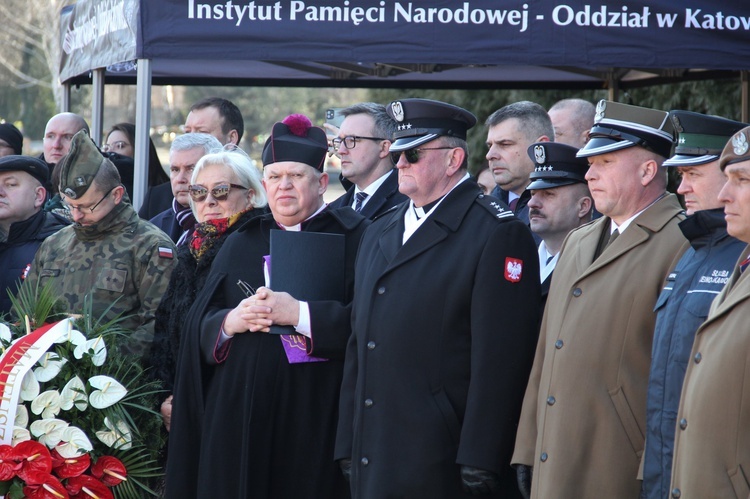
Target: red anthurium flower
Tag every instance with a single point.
(9, 465)
(87, 487)
(36, 462)
(66, 468)
(109, 470)
(51, 488)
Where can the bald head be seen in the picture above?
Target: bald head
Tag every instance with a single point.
(572, 119)
(58, 134)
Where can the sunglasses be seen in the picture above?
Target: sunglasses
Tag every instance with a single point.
(116, 146)
(412, 155)
(199, 193)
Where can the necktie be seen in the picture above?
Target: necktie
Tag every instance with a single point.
(513, 205)
(744, 264)
(612, 237)
(549, 259)
(359, 200)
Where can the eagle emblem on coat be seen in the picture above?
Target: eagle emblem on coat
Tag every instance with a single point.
(513, 269)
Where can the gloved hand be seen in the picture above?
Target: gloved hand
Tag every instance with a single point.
(346, 468)
(523, 475)
(477, 481)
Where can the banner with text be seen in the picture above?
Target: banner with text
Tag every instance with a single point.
(624, 33)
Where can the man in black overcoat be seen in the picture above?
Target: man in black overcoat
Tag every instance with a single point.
(255, 414)
(444, 326)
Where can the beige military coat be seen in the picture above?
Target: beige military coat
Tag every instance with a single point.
(583, 419)
(712, 439)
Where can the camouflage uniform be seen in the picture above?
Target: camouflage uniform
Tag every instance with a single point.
(122, 261)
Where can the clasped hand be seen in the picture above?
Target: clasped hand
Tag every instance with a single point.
(262, 310)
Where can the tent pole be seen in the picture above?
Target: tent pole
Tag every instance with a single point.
(745, 91)
(142, 126)
(97, 105)
(65, 98)
(614, 87)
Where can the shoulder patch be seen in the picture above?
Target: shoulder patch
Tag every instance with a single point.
(494, 206)
(166, 252)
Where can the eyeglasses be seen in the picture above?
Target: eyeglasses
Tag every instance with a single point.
(412, 155)
(115, 146)
(219, 193)
(350, 141)
(81, 209)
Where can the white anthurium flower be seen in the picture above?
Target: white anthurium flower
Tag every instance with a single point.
(74, 393)
(116, 436)
(29, 387)
(49, 366)
(20, 435)
(109, 392)
(47, 404)
(99, 348)
(49, 431)
(74, 443)
(22, 416)
(4, 332)
(73, 335)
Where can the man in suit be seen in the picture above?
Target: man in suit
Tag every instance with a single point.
(212, 115)
(581, 429)
(362, 144)
(712, 440)
(432, 385)
(695, 280)
(560, 201)
(178, 220)
(510, 132)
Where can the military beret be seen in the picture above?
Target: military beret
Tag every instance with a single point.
(701, 137)
(35, 167)
(12, 136)
(737, 149)
(619, 126)
(79, 167)
(423, 120)
(295, 139)
(556, 165)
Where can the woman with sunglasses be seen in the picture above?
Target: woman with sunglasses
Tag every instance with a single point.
(225, 192)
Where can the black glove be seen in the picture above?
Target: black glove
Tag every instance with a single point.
(346, 468)
(523, 475)
(476, 481)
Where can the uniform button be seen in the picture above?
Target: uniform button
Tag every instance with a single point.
(543, 457)
(371, 345)
(364, 461)
(368, 402)
(683, 423)
(676, 493)
(550, 400)
(577, 292)
(698, 357)
(559, 344)
(381, 290)
(72, 269)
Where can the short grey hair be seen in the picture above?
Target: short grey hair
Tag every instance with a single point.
(189, 141)
(533, 119)
(240, 163)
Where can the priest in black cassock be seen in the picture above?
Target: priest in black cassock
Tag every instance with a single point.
(255, 414)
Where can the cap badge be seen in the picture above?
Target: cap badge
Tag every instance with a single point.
(70, 193)
(79, 181)
(539, 154)
(600, 108)
(739, 142)
(398, 111)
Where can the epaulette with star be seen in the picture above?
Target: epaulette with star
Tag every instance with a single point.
(494, 206)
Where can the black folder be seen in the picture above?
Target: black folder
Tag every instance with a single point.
(310, 266)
